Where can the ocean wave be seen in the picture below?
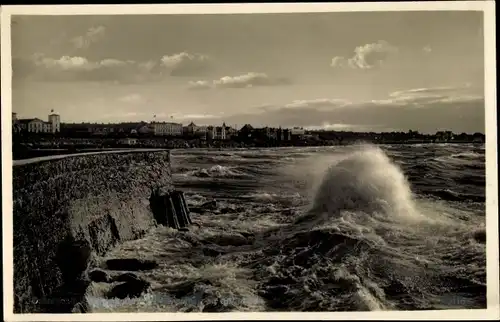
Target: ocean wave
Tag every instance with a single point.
(366, 245)
(341, 230)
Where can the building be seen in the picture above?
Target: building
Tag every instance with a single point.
(231, 132)
(271, 133)
(246, 131)
(101, 129)
(201, 132)
(190, 129)
(128, 141)
(297, 131)
(210, 132)
(55, 121)
(36, 125)
(219, 132)
(132, 127)
(167, 128)
(144, 129)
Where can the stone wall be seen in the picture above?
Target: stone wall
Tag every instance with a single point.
(68, 209)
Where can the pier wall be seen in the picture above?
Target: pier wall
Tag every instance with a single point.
(67, 210)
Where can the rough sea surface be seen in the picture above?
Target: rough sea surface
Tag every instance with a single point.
(353, 228)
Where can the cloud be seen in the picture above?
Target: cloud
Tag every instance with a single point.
(93, 35)
(320, 102)
(241, 81)
(430, 110)
(193, 116)
(366, 56)
(338, 61)
(342, 127)
(249, 80)
(423, 96)
(427, 49)
(185, 64)
(78, 68)
(197, 85)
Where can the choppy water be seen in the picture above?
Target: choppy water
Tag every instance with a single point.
(320, 229)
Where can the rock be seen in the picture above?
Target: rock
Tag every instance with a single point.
(184, 229)
(126, 277)
(228, 240)
(185, 288)
(130, 289)
(227, 210)
(210, 205)
(247, 235)
(81, 307)
(217, 306)
(480, 236)
(213, 251)
(130, 264)
(99, 276)
(73, 257)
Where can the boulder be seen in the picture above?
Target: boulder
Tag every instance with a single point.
(185, 288)
(99, 276)
(228, 240)
(210, 205)
(126, 277)
(130, 289)
(480, 236)
(73, 257)
(130, 264)
(213, 251)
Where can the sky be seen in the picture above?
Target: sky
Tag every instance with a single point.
(360, 71)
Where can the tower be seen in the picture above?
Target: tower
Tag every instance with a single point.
(55, 122)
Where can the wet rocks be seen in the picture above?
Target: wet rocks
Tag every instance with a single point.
(185, 288)
(480, 236)
(210, 205)
(247, 234)
(228, 240)
(126, 277)
(73, 258)
(135, 287)
(98, 276)
(81, 307)
(130, 264)
(205, 207)
(213, 251)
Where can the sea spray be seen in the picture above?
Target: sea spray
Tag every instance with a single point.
(363, 180)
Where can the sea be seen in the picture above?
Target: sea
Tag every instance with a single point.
(342, 228)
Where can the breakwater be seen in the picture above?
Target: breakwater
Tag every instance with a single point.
(69, 209)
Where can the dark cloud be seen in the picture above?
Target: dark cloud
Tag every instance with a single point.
(456, 113)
